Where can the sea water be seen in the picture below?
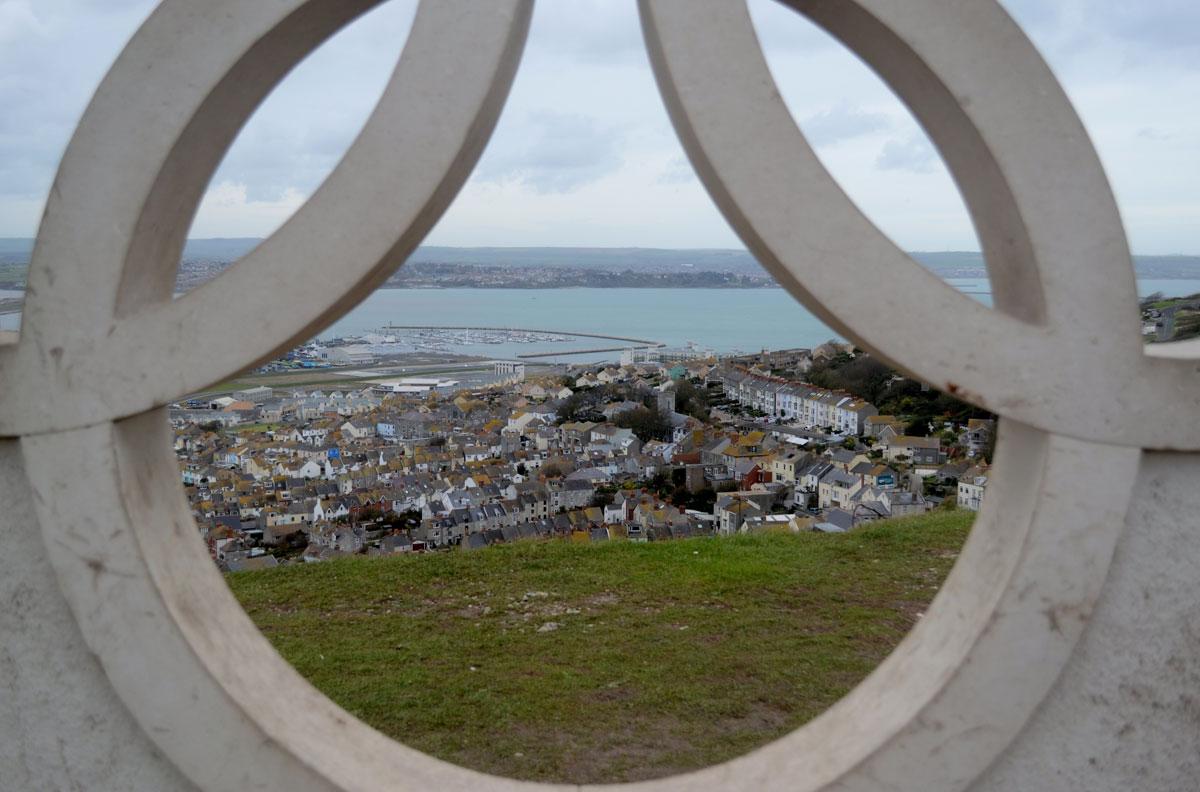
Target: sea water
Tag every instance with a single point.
(724, 320)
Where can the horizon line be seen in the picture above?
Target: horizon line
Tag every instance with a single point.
(595, 247)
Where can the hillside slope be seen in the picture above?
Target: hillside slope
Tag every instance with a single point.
(610, 662)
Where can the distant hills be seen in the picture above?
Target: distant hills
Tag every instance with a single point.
(17, 251)
(202, 258)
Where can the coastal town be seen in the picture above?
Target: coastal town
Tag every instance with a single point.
(650, 449)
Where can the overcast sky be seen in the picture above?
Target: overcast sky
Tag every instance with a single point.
(584, 153)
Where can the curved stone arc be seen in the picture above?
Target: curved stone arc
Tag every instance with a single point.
(1038, 598)
(1175, 350)
(1030, 238)
(1079, 373)
(959, 688)
(179, 58)
(943, 704)
(372, 210)
(202, 682)
(149, 271)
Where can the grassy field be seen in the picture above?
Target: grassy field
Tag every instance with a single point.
(599, 663)
(13, 273)
(327, 379)
(253, 428)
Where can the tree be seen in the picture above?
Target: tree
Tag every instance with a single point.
(570, 407)
(691, 400)
(919, 426)
(861, 375)
(647, 424)
(552, 470)
(601, 499)
(990, 449)
(702, 500)
(398, 520)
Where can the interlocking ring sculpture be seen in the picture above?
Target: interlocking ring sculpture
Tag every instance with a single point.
(104, 346)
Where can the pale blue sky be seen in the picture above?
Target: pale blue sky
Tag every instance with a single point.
(584, 154)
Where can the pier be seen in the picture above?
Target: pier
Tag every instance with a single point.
(560, 353)
(637, 341)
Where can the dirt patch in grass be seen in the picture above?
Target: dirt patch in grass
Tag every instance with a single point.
(760, 719)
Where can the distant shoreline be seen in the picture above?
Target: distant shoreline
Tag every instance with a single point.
(11, 305)
(437, 267)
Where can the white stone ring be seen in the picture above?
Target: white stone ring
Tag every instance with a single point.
(1063, 350)
(101, 337)
(104, 346)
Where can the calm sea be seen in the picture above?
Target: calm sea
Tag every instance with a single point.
(725, 320)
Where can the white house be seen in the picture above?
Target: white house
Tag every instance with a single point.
(358, 431)
(970, 489)
(519, 420)
(311, 469)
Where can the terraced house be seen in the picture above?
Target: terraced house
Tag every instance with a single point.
(798, 402)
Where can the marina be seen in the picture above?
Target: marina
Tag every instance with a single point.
(517, 342)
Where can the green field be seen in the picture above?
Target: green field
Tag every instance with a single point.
(253, 428)
(328, 379)
(13, 273)
(662, 657)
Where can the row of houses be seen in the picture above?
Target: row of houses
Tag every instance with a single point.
(797, 402)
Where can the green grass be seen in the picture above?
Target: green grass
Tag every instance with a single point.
(1168, 302)
(668, 656)
(251, 428)
(1187, 325)
(321, 378)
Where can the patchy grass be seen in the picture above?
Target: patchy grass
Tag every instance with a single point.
(663, 657)
(1169, 301)
(325, 379)
(13, 274)
(252, 428)
(1187, 325)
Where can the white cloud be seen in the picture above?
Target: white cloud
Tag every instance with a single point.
(556, 153)
(842, 122)
(227, 211)
(914, 154)
(677, 171)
